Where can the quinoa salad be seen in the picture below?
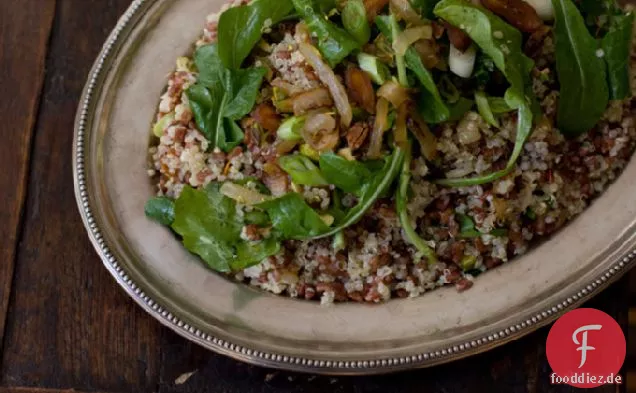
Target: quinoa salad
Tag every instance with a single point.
(363, 150)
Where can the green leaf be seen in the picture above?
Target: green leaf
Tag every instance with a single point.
(161, 210)
(460, 108)
(354, 20)
(377, 186)
(302, 170)
(293, 218)
(240, 28)
(334, 43)
(616, 46)
(349, 176)
(483, 106)
(209, 226)
(220, 97)
(425, 7)
(584, 92)
(401, 200)
(430, 103)
(245, 87)
(499, 105)
(249, 254)
(504, 48)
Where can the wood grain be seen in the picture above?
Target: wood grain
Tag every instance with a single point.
(519, 367)
(21, 78)
(69, 325)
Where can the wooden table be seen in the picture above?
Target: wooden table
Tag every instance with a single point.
(64, 322)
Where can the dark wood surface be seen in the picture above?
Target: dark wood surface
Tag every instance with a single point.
(66, 326)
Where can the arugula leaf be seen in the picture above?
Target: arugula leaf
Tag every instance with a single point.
(468, 229)
(208, 223)
(483, 106)
(499, 105)
(221, 96)
(401, 200)
(302, 170)
(161, 210)
(430, 103)
(293, 218)
(349, 176)
(584, 92)
(250, 253)
(376, 187)
(334, 43)
(504, 48)
(460, 108)
(240, 28)
(616, 46)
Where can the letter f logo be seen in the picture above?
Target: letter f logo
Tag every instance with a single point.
(583, 344)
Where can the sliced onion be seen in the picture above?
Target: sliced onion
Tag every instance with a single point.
(403, 10)
(374, 7)
(310, 100)
(409, 36)
(462, 64)
(360, 88)
(423, 134)
(243, 195)
(283, 147)
(428, 51)
(320, 131)
(286, 87)
(399, 131)
(395, 93)
(544, 8)
(380, 125)
(328, 77)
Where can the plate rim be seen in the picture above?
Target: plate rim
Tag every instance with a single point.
(172, 320)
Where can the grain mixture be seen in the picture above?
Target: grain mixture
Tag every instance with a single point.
(467, 208)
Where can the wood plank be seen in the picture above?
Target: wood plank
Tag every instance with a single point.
(69, 325)
(39, 390)
(519, 367)
(21, 77)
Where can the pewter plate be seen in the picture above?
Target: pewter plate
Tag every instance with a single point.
(111, 185)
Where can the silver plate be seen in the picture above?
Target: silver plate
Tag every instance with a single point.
(111, 186)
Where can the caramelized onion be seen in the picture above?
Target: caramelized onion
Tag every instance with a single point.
(395, 93)
(374, 7)
(403, 10)
(320, 131)
(328, 77)
(310, 100)
(380, 125)
(399, 131)
(409, 36)
(423, 134)
(360, 88)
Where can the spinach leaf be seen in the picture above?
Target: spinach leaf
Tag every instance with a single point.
(484, 68)
(584, 92)
(293, 218)
(401, 200)
(302, 170)
(240, 28)
(208, 223)
(616, 46)
(348, 176)
(221, 96)
(161, 210)
(430, 103)
(334, 43)
(504, 48)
